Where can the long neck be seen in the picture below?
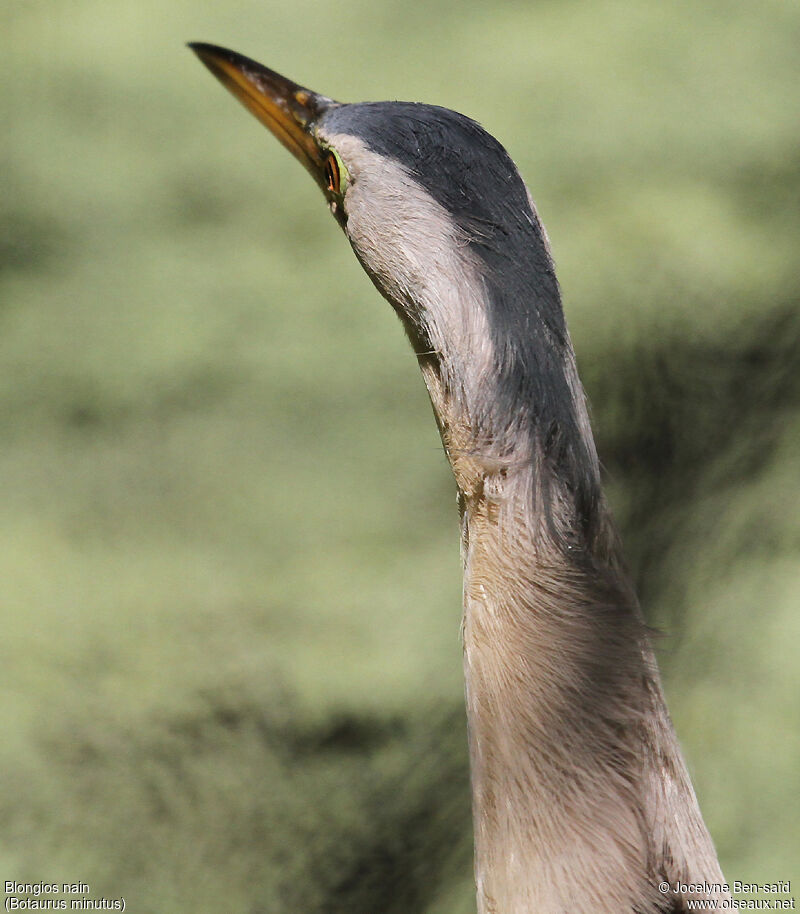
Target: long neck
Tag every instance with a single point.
(581, 798)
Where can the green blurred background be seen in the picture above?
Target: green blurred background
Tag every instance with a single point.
(231, 588)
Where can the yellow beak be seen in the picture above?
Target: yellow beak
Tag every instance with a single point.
(287, 109)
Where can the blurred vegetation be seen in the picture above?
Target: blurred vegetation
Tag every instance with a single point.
(230, 657)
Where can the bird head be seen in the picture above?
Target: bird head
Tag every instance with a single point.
(424, 194)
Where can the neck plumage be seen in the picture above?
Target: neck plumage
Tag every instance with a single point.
(581, 798)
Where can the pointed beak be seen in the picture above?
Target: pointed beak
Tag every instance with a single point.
(287, 109)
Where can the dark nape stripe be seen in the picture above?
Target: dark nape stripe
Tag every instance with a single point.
(469, 173)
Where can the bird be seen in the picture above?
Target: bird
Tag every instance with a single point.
(581, 798)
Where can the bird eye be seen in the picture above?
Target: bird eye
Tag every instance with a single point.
(332, 175)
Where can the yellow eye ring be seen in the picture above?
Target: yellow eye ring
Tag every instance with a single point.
(336, 176)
